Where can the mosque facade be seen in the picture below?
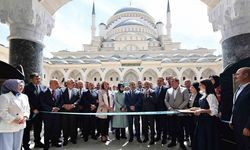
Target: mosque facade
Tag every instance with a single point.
(131, 46)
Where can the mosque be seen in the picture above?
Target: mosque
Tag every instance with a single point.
(132, 46)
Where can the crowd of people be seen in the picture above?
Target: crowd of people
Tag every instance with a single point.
(202, 99)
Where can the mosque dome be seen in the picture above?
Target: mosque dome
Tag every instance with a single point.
(127, 9)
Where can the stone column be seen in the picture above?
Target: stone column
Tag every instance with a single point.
(232, 18)
(29, 22)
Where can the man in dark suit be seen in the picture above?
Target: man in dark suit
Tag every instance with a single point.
(161, 120)
(240, 119)
(177, 97)
(133, 104)
(148, 104)
(88, 104)
(33, 91)
(50, 101)
(70, 98)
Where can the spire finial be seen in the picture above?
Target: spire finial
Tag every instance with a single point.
(93, 9)
(130, 3)
(168, 10)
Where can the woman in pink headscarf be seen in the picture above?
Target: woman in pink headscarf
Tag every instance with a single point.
(14, 110)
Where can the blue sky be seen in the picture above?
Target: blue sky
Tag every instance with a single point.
(190, 24)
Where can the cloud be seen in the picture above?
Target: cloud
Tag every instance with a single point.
(73, 22)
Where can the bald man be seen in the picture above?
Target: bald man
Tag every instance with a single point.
(240, 120)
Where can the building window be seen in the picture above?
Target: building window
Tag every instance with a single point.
(145, 78)
(183, 78)
(117, 78)
(100, 79)
(94, 79)
(150, 78)
(195, 78)
(111, 79)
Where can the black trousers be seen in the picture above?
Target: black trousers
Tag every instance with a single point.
(52, 129)
(176, 128)
(161, 126)
(104, 126)
(134, 120)
(89, 125)
(69, 126)
(120, 132)
(148, 123)
(37, 126)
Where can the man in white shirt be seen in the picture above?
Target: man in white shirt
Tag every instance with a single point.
(177, 97)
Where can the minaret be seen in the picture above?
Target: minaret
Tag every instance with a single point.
(168, 24)
(93, 27)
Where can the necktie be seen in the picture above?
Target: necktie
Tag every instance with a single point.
(53, 95)
(70, 94)
(159, 91)
(108, 98)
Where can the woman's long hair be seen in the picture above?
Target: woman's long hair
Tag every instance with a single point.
(209, 87)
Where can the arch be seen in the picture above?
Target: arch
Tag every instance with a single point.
(76, 75)
(130, 75)
(150, 75)
(57, 75)
(188, 74)
(94, 76)
(169, 72)
(207, 72)
(112, 77)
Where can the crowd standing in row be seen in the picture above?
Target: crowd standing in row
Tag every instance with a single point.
(202, 98)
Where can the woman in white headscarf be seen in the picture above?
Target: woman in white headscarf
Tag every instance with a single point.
(14, 111)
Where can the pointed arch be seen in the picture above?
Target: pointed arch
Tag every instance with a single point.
(207, 72)
(94, 76)
(188, 74)
(169, 72)
(150, 75)
(130, 75)
(112, 77)
(76, 75)
(57, 75)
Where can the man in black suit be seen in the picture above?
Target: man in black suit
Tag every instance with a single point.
(161, 120)
(50, 101)
(240, 119)
(69, 100)
(148, 104)
(133, 104)
(33, 91)
(88, 104)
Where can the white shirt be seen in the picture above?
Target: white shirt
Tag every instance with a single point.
(175, 92)
(191, 100)
(70, 93)
(241, 88)
(213, 104)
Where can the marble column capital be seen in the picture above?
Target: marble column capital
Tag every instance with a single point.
(28, 19)
(231, 17)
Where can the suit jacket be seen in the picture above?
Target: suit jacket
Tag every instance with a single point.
(48, 101)
(149, 101)
(88, 99)
(74, 97)
(241, 111)
(180, 101)
(103, 102)
(133, 100)
(160, 99)
(33, 95)
(10, 110)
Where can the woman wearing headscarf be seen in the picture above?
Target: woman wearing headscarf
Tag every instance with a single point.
(193, 105)
(120, 122)
(14, 111)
